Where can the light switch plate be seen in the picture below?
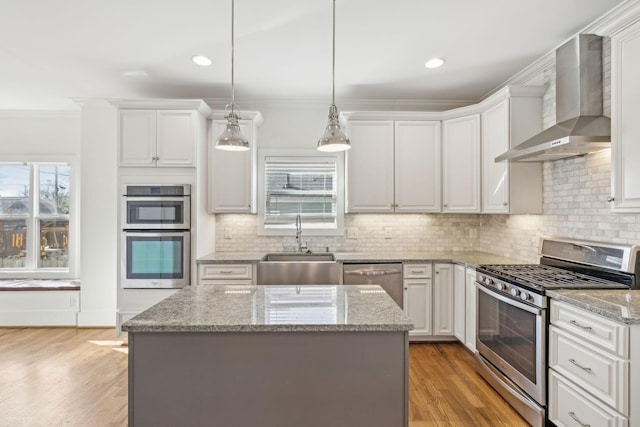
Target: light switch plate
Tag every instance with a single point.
(228, 233)
(387, 233)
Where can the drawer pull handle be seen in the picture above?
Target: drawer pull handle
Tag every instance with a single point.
(573, 415)
(417, 271)
(586, 328)
(226, 272)
(573, 361)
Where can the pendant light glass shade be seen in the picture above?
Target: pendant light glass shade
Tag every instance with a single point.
(232, 138)
(333, 139)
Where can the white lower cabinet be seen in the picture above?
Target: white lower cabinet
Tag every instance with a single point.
(464, 311)
(428, 300)
(225, 274)
(470, 312)
(417, 301)
(459, 302)
(589, 369)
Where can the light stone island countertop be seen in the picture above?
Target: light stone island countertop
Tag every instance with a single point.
(307, 308)
(467, 258)
(620, 305)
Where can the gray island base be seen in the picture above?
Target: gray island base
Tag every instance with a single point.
(270, 356)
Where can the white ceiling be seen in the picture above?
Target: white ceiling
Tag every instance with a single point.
(51, 51)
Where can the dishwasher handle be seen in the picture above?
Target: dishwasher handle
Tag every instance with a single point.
(368, 272)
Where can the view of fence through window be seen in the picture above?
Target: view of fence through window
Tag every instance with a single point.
(34, 216)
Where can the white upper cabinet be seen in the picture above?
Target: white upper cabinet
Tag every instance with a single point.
(417, 166)
(461, 164)
(166, 138)
(393, 166)
(232, 174)
(370, 166)
(511, 187)
(625, 126)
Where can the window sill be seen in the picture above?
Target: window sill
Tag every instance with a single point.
(39, 285)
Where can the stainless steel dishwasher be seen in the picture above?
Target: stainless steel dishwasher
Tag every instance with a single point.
(388, 276)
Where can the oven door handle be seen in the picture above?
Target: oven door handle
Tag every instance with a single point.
(510, 301)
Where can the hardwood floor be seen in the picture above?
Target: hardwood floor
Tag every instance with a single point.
(78, 377)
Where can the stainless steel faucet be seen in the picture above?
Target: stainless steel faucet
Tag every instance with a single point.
(299, 234)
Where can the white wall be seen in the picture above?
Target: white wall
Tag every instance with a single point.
(99, 214)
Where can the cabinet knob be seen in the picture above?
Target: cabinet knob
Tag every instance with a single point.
(446, 205)
(504, 204)
(610, 199)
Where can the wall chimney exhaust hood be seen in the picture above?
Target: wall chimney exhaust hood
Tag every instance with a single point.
(581, 127)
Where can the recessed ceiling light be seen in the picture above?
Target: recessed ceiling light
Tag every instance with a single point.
(135, 74)
(201, 60)
(434, 63)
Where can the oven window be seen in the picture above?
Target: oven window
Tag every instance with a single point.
(155, 257)
(509, 332)
(155, 212)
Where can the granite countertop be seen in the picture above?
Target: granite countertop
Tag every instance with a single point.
(467, 258)
(620, 305)
(238, 308)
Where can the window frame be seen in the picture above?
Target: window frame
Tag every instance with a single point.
(32, 271)
(303, 155)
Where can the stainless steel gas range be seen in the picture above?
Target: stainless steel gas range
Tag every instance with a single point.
(512, 318)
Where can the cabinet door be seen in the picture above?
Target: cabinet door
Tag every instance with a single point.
(370, 166)
(459, 302)
(443, 300)
(461, 164)
(176, 142)
(137, 136)
(495, 176)
(470, 302)
(625, 126)
(232, 183)
(417, 166)
(417, 305)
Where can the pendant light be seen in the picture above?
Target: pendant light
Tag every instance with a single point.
(232, 138)
(333, 139)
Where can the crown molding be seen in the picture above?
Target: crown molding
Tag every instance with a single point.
(616, 20)
(163, 104)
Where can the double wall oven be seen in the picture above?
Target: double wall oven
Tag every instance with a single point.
(156, 236)
(512, 318)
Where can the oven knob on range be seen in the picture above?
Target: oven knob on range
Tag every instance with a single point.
(515, 292)
(500, 286)
(488, 280)
(525, 296)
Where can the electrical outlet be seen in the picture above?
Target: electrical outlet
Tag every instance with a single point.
(352, 233)
(228, 233)
(387, 233)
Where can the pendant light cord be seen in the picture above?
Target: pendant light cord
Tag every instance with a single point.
(232, 51)
(333, 71)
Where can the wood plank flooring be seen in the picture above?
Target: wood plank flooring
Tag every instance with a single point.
(58, 376)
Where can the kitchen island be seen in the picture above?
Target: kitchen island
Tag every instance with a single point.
(270, 356)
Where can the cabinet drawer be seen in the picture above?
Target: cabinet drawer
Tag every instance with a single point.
(416, 271)
(569, 406)
(224, 271)
(600, 373)
(594, 329)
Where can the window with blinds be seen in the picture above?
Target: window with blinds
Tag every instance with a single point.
(300, 186)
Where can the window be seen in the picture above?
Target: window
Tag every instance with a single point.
(306, 185)
(34, 217)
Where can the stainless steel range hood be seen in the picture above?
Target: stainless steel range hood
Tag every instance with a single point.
(581, 127)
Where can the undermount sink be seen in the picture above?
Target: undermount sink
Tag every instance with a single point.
(298, 256)
(298, 269)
